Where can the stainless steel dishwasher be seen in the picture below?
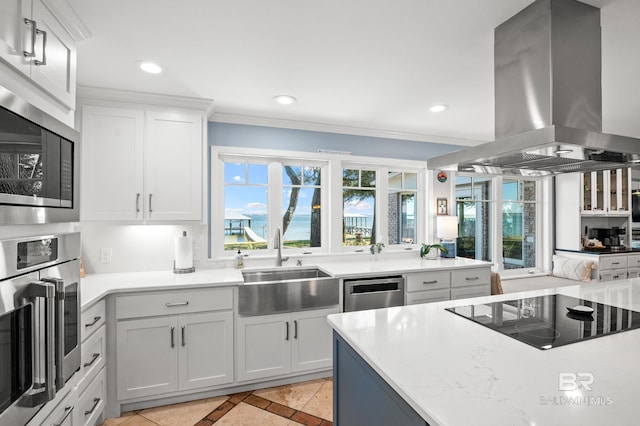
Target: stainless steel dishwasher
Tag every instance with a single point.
(372, 293)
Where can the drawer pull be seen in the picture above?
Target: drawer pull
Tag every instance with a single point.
(615, 263)
(95, 320)
(430, 282)
(171, 305)
(472, 278)
(67, 411)
(96, 401)
(90, 363)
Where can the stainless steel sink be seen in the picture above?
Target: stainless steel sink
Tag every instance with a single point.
(265, 276)
(272, 291)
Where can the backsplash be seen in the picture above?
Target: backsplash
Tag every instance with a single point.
(136, 248)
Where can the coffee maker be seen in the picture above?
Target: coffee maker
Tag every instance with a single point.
(610, 237)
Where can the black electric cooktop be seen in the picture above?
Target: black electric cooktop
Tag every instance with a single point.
(545, 322)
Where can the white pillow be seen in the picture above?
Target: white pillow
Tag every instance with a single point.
(572, 268)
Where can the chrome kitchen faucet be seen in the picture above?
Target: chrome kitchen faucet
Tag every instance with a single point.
(278, 245)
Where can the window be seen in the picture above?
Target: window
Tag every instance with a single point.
(401, 217)
(321, 202)
(359, 207)
(474, 210)
(519, 223)
(246, 216)
(301, 202)
(499, 220)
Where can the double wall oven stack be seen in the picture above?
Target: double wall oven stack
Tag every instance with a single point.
(39, 322)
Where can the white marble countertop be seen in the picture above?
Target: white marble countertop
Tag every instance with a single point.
(96, 286)
(453, 371)
(371, 266)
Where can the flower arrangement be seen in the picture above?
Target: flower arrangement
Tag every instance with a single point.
(426, 248)
(376, 248)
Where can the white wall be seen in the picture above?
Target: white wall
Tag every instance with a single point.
(137, 247)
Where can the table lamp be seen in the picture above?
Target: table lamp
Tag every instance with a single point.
(447, 232)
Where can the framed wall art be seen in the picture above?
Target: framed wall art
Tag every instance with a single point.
(441, 204)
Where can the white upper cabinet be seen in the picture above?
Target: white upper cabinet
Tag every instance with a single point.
(112, 155)
(173, 166)
(606, 192)
(142, 164)
(35, 43)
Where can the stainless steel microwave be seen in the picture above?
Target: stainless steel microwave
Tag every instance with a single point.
(38, 165)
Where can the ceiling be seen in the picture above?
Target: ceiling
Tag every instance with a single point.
(357, 66)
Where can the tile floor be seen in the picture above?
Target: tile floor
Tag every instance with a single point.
(307, 403)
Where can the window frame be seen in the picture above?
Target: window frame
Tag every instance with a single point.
(497, 201)
(331, 196)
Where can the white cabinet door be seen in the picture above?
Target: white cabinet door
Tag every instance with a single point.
(55, 66)
(312, 344)
(112, 144)
(206, 349)
(147, 357)
(428, 296)
(173, 165)
(13, 33)
(264, 346)
(465, 292)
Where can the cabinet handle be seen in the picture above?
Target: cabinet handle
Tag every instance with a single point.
(430, 282)
(182, 333)
(472, 278)
(150, 209)
(615, 263)
(295, 329)
(95, 357)
(95, 320)
(173, 343)
(96, 401)
(138, 202)
(67, 410)
(33, 39)
(287, 336)
(173, 304)
(44, 48)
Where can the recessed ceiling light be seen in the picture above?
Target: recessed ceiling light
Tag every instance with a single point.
(439, 108)
(285, 99)
(150, 67)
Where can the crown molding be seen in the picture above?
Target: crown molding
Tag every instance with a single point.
(116, 95)
(333, 128)
(69, 19)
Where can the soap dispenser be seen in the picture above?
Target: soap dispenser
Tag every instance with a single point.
(239, 260)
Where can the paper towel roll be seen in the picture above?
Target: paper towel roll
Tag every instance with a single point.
(183, 252)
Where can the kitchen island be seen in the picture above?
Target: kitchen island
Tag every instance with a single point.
(438, 368)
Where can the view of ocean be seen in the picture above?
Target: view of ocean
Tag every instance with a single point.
(299, 228)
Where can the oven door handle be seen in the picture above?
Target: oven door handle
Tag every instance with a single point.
(59, 329)
(45, 358)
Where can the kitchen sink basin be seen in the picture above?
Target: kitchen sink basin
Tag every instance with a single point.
(271, 291)
(265, 276)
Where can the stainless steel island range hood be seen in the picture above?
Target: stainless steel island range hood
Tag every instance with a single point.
(548, 98)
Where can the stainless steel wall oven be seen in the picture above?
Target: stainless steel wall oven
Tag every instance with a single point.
(38, 167)
(39, 322)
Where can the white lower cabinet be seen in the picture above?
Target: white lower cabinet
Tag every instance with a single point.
(273, 345)
(438, 286)
(64, 414)
(172, 353)
(92, 401)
